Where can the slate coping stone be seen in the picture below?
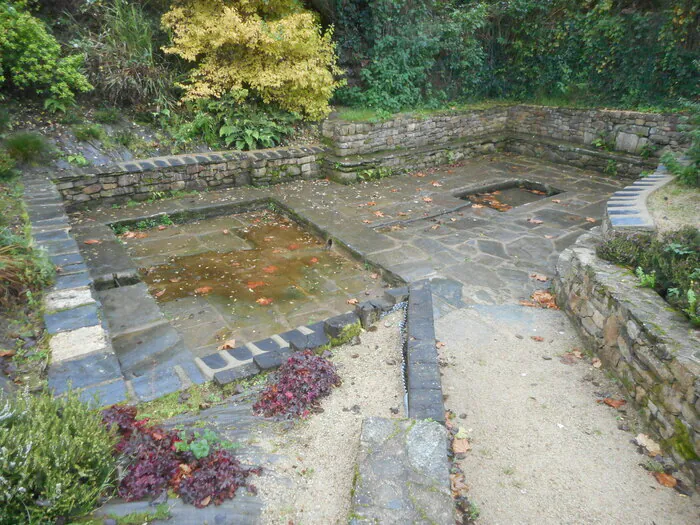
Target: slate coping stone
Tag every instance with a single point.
(193, 372)
(51, 235)
(66, 259)
(311, 341)
(214, 361)
(156, 384)
(269, 360)
(241, 353)
(235, 373)
(426, 404)
(80, 373)
(423, 376)
(59, 247)
(335, 326)
(396, 295)
(267, 345)
(105, 394)
(66, 320)
(294, 336)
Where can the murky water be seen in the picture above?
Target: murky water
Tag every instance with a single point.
(507, 199)
(247, 276)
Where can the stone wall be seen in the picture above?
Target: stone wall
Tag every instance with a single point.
(140, 179)
(625, 131)
(650, 348)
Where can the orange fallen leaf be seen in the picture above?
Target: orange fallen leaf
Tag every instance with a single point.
(277, 250)
(204, 290)
(544, 299)
(537, 338)
(162, 227)
(314, 260)
(374, 276)
(371, 203)
(255, 284)
(93, 241)
(264, 301)
(539, 277)
(228, 345)
(420, 174)
(159, 293)
(270, 269)
(434, 226)
(205, 501)
(457, 484)
(535, 221)
(440, 344)
(528, 303)
(140, 235)
(461, 446)
(590, 219)
(175, 279)
(436, 184)
(665, 479)
(7, 353)
(614, 403)
(427, 199)
(293, 247)
(379, 214)
(477, 205)
(352, 301)
(549, 236)
(556, 201)
(596, 363)
(128, 235)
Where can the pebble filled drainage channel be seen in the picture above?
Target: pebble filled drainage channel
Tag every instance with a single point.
(245, 276)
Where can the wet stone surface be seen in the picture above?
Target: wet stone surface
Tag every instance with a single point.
(244, 277)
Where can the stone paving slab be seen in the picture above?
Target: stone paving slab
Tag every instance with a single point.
(402, 474)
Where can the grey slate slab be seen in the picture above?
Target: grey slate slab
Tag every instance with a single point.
(83, 372)
(72, 319)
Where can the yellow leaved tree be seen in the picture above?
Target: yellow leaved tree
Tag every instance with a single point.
(273, 49)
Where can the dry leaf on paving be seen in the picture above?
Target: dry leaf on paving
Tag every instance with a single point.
(161, 227)
(597, 363)
(457, 483)
(427, 199)
(539, 277)
(371, 203)
(228, 345)
(270, 269)
(379, 214)
(374, 276)
(313, 260)
(7, 353)
(175, 279)
(128, 235)
(440, 344)
(651, 446)
(352, 301)
(394, 190)
(420, 174)
(665, 479)
(434, 226)
(544, 298)
(477, 205)
(264, 301)
(140, 235)
(556, 201)
(590, 219)
(549, 236)
(204, 290)
(93, 241)
(255, 284)
(159, 293)
(205, 501)
(527, 303)
(293, 247)
(537, 338)
(614, 403)
(577, 353)
(461, 446)
(403, 214)
(535, 221)
(436, 184)
(568, 359)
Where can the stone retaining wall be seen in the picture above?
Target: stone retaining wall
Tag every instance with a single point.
(138, 180)
(650, 347)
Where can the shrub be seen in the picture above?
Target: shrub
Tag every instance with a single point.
(7, 166)
(23, 270)
(670, 265)
(197, 467)
(55, 458)
(27, 146)
(89, 132)
(123, 58)
(108, 116)
(301, 382)
(272, 50)
(30, 57)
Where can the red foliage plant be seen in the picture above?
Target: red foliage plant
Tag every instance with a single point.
(301, 382)
(154, 464)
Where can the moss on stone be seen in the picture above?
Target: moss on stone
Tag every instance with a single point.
(347, 334)
(682, 442)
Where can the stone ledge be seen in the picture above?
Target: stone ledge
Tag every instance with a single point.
(650, 347)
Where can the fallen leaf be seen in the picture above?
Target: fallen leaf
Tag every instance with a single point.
(162, 227)
(535, 221)
(420, 174)
(590, 219)
(140, 235)
(225, 231)
(477, 205)
(544, 299)
(264, 301)
(159, 293)
(374, 276)
(461, 446)
(614, 403)
(255, 284)
(577, 353)
(175, 279)
(427, 199)
(403, 214)
(293, 247)
(313, 260)
(665, 479)
(371, 203)
(539, 277)
(204, 290)
(556, 201)
(651, 446)
(528, 303)
(549, 236)
(436, 184)
(205, 501)
(270, 269)
(366, 221)
(394, 190)
(457, 483)
(434, 226)
(537, 338)
(568, 359)
(7, 353)
(440, 344)
(352, 301)
(93, 241)
(379, 214)
(596, 363)
(228, 345)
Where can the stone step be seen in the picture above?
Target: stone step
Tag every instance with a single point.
(141, 351)
(402, 474)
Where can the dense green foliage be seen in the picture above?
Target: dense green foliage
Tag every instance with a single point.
(670, 265)
(688, 173)
(404, 53)
(56, 458)
(26, 146)
(31, 60)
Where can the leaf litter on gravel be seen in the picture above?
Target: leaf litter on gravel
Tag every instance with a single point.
(541, 299)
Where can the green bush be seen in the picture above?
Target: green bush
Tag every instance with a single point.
(30, 57)
(89, 132)
(670, 265)
(56, 458)
(7, 166)
(108, 115)
(688, 173)
(27, 147)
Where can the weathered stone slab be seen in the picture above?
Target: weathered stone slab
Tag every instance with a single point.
(72, 319)
(78, 343)
(83, 372)
(402, 474)
(129, 307)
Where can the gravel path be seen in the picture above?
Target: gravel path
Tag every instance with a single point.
(312, 483)
(543, 450)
